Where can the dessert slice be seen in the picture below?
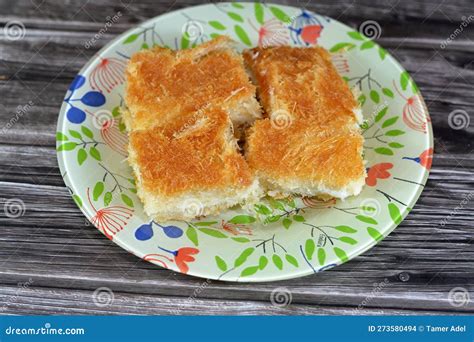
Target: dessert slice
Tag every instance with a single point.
(309, 143)
(163, 84)
(190, 167)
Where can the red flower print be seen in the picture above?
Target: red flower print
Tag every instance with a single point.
(156, 258)
(272, 33)
(425, 159)
(110, 220)
(310, 34)
(182, 256)
(378, 171)
(306, 28)
(414, 112)
(340, 62)
(112, 136)
(107, 74)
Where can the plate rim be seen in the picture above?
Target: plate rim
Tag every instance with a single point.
(291, 274)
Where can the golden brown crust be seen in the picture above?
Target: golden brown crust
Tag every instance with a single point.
(195, 153)
(163, 84)
(323, 154)
(301, 81)
(318, 143)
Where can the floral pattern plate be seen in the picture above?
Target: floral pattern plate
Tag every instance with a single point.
(280, 239)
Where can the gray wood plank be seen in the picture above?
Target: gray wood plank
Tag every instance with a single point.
(67, 259)
(44, 301)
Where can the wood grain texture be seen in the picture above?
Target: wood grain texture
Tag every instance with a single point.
(63, 259)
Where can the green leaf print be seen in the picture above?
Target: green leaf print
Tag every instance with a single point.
(291, 259)
(185, 41)
(367, 45)
(387, 92)
(98, 190)
(346, 229)
(94, 152)
(221, 263)
(131, 38)
(81, 156)
(87, 132)
(192, 235)
(389, 122)
(240, 32)
(381, 114)
(356, 35)
(286, 223)
(61, 137)
(348, 240)
(235, 16)
(242, 219)
(204, 223)
(69, 146)
(217, 25)
(395, 145)
(341, 254)
(277, 261)
(341, 46)
(374, 96)
(237, 5)
(262, 262)
(259, 13)
(384, 150)
(366, 219)
(394, 213)
(240, 239)
(309, 248)
(78, 200)
(107, 198)
(249, 271)
(298, 218)
(126, 200)
(213, 233)
(243, 256)
(394, 133)
(404, 79)
(321, 256)
(280, 15)
(374, 233)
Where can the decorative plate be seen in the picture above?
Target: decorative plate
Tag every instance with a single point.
(280, 239)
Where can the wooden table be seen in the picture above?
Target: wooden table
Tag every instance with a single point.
(52, 259)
